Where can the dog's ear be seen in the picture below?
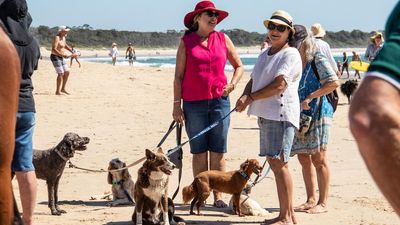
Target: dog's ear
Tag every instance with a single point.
(159, 150)
(125, 173)
(109, 178)
(244, 165)
(149, 154)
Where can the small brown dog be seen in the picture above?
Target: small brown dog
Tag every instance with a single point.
(231, 182)
(122, 183)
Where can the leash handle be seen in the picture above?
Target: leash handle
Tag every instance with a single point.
(178, 142)
(170, 129)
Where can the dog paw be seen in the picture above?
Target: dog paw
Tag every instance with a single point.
(55, 213)
(111, 204)
(61, 211)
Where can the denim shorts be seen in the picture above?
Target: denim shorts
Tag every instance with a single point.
(22, 160)
(201, 114)
(276, 138)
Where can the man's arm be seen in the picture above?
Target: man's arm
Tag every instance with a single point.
(9, 89)
(375, 123)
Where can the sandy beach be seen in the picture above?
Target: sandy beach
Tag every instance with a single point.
(125, 110)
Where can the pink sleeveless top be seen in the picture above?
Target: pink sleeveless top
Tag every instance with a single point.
(204, 76)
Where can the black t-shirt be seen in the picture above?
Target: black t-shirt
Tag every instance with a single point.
(29, 56)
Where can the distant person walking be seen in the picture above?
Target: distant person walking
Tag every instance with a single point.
(130, 54)
(356, 57)
(345, 65)
(57, 56)
(374, 47)
(113, 53)
(75, 55)
(265, 44)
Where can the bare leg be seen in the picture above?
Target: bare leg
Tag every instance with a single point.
(199, 163)
(309, 177)
(284, 186)
(27, 190)
(323, 175)
(375, 123)
(217, 162)
(64, 82)
(59, 81)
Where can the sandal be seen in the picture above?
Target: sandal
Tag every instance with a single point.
(220, 204)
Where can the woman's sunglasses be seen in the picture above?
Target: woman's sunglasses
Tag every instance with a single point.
(280, 28)
(211, 13)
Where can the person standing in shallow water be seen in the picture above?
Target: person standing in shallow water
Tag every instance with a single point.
(130, 54)
(113, 53)
(57, 56)
(200, 81)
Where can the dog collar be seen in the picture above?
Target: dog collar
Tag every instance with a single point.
(117, 182)
(61, 156)
(244, 175)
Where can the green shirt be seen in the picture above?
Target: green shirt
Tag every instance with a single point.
(387, 62)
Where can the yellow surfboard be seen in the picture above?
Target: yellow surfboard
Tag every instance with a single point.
(359, 65)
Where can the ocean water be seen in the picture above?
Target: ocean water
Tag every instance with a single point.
(248, 61)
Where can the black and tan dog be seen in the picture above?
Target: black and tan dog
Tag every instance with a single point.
(122, 183)
(232, 182)
(348, 88)
(50, 164)
(151, 192)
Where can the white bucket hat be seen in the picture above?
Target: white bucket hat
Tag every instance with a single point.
(318, 31)
(281, 17)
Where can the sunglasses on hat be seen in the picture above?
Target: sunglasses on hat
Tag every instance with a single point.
(211, 13)
(280, 28)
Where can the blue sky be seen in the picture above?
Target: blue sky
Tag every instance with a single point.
(163, 15)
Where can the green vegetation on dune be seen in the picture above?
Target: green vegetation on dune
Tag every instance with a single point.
(85, 36)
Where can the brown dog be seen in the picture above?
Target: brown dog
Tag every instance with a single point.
(153, 207)
(231, 182)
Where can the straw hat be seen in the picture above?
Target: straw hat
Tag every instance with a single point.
(318, 31)
(63, 28)
(281, 17)
(201, 7)
(377, 34)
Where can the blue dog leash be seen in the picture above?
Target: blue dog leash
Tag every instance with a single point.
(205, 130)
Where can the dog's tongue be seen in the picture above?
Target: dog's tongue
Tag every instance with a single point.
(169, 172)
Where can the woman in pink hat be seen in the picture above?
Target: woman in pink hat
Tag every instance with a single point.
(201, 89)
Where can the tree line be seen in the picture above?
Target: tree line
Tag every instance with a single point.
(87, 37)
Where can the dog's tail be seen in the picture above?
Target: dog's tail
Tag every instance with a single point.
(188, 193)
